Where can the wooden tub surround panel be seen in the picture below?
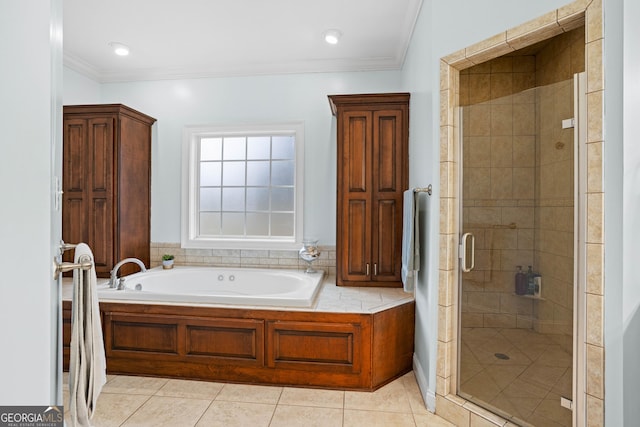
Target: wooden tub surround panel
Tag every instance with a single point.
(230, 338)
(317, 347)
(140, 334)
(356, 351)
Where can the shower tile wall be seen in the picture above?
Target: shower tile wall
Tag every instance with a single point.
(518, 191)
(499, 168)
(553, 255)
(558, 61)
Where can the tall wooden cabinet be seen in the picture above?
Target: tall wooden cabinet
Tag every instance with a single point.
(107, 183)
(373, 134)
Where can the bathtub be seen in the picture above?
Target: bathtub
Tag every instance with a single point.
(213, 285)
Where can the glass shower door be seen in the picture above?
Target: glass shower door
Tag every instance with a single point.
(515, 343)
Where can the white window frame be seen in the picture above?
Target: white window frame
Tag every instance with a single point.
(190, 186)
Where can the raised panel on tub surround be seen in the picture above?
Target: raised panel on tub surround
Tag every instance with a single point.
(353, 351)
(315, 346)
(226, 338)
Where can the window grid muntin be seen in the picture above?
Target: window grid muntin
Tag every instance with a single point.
(273, 215)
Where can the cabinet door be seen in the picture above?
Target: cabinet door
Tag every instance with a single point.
(100, 164)
(354, 225)
(132, 192)
(387, 188)
(88, 187)
(74, 183)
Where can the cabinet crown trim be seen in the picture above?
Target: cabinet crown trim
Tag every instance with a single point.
(360, 100)
(83, 110)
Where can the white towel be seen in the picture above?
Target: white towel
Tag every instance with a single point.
(410, 241)
(87, 363)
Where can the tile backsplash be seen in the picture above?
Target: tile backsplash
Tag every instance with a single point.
(262, 258)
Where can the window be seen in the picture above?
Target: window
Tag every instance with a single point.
(242, 186)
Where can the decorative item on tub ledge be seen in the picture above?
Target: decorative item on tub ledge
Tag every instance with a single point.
(309, 253)
(167, 261)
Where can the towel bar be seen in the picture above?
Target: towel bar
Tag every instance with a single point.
(62, 267)
(84, 263)
(66, 246)
(423, 189)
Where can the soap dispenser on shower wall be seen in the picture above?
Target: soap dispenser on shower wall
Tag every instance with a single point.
(521, 281)
(530, 284)
(537, 285)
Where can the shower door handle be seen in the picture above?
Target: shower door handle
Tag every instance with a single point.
(464, 248)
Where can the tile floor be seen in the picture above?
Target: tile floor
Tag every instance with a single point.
(529, 383)
(156, 402)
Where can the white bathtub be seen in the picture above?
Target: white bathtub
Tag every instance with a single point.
(245, 286)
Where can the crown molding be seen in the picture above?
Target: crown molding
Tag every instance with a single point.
(241, 70)
(77, 64)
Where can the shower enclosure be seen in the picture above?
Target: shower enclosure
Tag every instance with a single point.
(515, 346)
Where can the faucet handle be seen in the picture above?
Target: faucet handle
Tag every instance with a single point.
(113, 282)
(120, 285)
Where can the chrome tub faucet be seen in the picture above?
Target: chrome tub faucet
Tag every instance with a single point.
(115, 281)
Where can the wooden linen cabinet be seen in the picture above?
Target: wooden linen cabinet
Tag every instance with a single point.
(106, 180)
(372, 139)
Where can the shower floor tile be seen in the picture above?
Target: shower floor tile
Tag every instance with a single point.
(517, 371)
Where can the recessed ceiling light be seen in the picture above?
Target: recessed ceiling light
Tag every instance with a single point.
(332, 36)
(119, 48)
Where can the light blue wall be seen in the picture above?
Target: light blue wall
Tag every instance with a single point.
(262, 99)
(614, 164)
(79, 89)
(622, 212)
(631, 212)
(424, 169)
(30, 84)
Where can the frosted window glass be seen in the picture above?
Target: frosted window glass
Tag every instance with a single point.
(258, 173)
(259, 147)
(210, 199)
(282, 199)
(211, 149)
(233, 173)
(282, 147)
(210, 174)
(258, 224)
(243, 185)
(282, 224)
(209, 223)
(257, 199)
(232, 224)
(233, 199)
(234, 149)
(282, 173)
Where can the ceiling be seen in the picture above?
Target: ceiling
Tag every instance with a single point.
(172, 39)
